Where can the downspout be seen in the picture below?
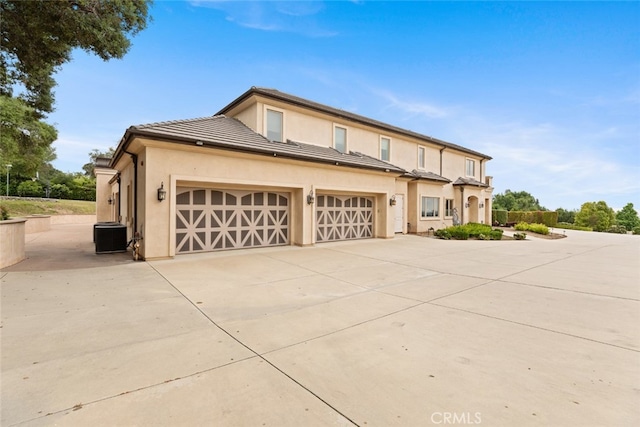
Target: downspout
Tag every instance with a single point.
(134, 158)
(119, 198)
(481, 178)
(462, 207)
(441, 150)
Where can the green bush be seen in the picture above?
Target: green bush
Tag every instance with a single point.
(4, 213)
(568, 226)
(30, 189)
(548, 218)
(499, 217)
(618, 229)
(534, 228)
(473, 230)
(443, 233)
(636, 230)
(519, 236)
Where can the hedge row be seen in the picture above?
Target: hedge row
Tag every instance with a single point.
(501, 217)
(473, 230)
(534, 228)
(569, 226)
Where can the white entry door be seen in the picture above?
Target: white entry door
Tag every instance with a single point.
(399, 214)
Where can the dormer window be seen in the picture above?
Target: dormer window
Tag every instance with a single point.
(274, 125)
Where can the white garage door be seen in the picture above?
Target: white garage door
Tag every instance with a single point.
(213, 220)
(343, 218)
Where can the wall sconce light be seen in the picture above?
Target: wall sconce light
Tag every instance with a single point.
(162, 193)
(110, 201)
(311, 198)
(466, 205)
(392, 200)
(481, 205)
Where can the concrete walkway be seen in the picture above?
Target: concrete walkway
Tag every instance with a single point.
(410, 331)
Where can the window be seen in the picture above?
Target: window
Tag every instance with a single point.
(340, 139)
(421, 157)
(471, 167)
(274, 125)
(448, 207)
(430, 207)
(385, 147)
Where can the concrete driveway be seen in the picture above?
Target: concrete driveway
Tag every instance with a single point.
(410, 332)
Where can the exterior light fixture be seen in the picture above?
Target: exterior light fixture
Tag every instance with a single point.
(110, 201)
(311, 198)
(162, 193)
(481, 205)
(392, 200)
(466, 205)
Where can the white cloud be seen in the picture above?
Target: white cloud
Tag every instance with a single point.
(281, 16)
(412, 107)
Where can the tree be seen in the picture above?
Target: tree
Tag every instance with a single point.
(566, 216)
(516, 201)
(39, 35)
(25, 141)
(627, 217)
(596, 215)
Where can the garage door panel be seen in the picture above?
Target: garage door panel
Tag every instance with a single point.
(210, 220)
(343, 218)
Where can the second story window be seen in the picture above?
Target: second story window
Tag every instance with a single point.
(422, 158)
(471, 167)
(340, 139)
(385, 149)
(274, 125)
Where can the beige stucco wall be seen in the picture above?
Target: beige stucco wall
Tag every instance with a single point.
(185, 166)
(103, 192)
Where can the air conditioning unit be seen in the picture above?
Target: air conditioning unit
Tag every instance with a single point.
(110, 238)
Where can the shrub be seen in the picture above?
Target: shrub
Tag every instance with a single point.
(443, 233)
(499, 217)
(617, 229)
(636, 230)
(458, 232)
(495, 235)
(519, 236)
(30, 189)
(4, 213)
(567, 226)
(534, 228)
(548, 218)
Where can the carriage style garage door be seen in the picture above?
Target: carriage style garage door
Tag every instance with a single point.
(212, 220)
(343, 218)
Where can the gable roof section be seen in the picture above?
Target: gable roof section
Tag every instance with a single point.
(428, 176)
(295, 100)
(231, 134)
(469, 181)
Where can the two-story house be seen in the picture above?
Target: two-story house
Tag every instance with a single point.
(274, 169)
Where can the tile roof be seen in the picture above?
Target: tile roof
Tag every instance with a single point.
(295, 100)
(469, 181)
(231, 134)
(430, 176)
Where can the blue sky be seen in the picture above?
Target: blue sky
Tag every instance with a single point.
(550, 90)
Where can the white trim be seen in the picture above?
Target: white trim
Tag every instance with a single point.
(422, 197)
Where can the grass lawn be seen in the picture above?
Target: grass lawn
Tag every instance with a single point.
(19, 208)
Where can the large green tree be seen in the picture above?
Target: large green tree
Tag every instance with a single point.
(25, 141)
(627, 217)
(38, 36)
(597, 215)
(516, 201)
